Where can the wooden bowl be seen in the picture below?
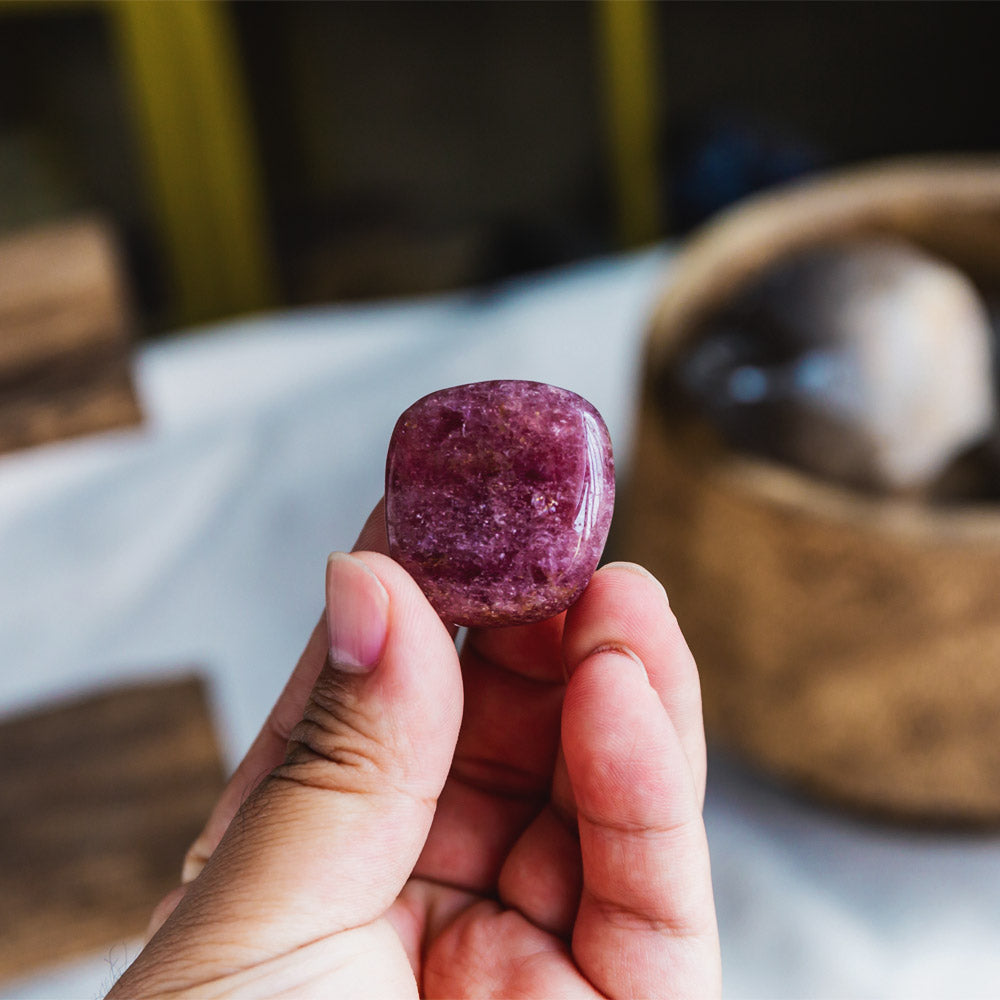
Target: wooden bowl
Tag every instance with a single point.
(848, 644)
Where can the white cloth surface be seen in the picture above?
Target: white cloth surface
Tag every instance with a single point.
(200, 540)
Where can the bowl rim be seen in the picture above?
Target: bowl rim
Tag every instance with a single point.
(889, 197)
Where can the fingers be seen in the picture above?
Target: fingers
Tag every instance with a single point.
(625, 605)
(502, 772)
(329, 838)
(622, 607)
(646, 920)
(268, 749)
(265, 753)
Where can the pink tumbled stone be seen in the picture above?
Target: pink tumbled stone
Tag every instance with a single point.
(498, 499)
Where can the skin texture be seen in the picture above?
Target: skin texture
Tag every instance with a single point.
(522, 822)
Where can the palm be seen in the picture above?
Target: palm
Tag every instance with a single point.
(496, 951)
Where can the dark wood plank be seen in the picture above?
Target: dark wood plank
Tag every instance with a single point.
(103, 398)
(99, 799)
(65, 335)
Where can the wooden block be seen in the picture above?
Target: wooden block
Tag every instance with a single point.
(100, 799)
(64, 335)
(102, 399)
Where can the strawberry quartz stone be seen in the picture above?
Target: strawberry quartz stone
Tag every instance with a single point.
(498, 499)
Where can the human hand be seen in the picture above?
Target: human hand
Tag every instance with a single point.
(527, 823)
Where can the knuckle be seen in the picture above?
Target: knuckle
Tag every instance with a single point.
(336, 728)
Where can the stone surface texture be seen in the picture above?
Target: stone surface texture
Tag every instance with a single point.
(499, 498)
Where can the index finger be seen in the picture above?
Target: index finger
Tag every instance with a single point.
(624, 605)
(646, 921)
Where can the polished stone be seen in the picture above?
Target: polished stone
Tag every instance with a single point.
(499, 498)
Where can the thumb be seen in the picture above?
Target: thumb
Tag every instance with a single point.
(328, 839)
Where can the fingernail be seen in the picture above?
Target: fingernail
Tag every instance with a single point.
(357, 614)
(618, 649)
(194, 861)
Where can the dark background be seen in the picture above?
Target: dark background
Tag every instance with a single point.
(412, 147)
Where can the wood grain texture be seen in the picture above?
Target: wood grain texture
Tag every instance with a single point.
(849, 644)
(100, 799)
(65, 341)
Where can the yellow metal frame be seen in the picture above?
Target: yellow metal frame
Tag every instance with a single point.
(195, 133)
(194, 128)
(183, 79)
(628, 56)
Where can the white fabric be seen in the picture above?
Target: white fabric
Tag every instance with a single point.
(200, 540)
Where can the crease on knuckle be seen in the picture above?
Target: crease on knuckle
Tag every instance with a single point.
(630, 917)
(676, 830)
(335, 729)
(339, 746)
(627, 917)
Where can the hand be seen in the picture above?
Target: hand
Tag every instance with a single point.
(381, 840)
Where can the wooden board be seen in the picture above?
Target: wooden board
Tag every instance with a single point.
(65, 342)
(99, 799)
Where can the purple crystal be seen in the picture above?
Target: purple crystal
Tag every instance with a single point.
(498, 499)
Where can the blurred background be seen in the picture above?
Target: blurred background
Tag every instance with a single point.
(238, 238)
(266, 154)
